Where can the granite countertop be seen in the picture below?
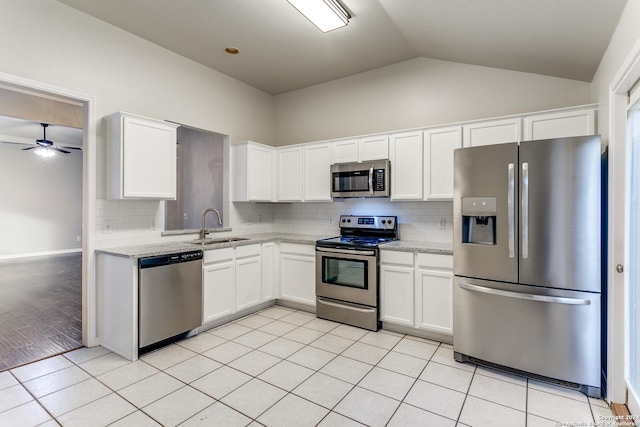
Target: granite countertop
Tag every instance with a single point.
(419, 246)
(154, 249)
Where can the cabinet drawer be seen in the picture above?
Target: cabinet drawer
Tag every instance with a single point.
(435, 261)
(396, 257)
(218, 255)
(297, 249)
(247, 251)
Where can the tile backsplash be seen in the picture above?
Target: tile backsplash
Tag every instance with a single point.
(127, 222)
(416, 220)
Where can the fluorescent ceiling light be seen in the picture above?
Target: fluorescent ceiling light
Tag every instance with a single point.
(327, 15)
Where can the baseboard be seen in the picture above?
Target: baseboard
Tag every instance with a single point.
(36, 254)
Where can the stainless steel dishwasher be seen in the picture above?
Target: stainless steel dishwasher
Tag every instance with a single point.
(169, 297)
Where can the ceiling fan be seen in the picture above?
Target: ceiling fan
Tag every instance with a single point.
(44, 146)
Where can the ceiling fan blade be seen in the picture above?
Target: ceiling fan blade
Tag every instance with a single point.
(15, 143)
(71, 148)
(60, 150)
(28, 148)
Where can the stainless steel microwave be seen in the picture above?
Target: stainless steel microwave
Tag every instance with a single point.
(366, 179)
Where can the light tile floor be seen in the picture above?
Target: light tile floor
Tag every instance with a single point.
(282, 367)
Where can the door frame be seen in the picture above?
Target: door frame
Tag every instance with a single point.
(618, 336)
(89, 166)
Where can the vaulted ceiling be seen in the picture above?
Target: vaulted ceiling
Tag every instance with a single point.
(281, 51)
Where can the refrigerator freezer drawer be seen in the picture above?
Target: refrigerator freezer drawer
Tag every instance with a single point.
(543, 331)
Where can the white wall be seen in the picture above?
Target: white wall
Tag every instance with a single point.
(626, 36)
(49, 42)
(624, 42)
(416, 93)
(41, 209)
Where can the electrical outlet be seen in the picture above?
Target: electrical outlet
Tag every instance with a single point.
(78, 238)
(153, 224)
(108, 227)
(442, 223)
(259, 218)
(330, 221)
(249, 219)
(184, 216)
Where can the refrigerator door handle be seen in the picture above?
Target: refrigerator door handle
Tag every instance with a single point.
(525, 210)
(511, 216)
(530, 297)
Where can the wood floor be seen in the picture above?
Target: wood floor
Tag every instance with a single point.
(40, 308)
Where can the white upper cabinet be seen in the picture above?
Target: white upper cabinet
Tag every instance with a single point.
(439, 145)
(361, 149)
(253, 172)
(141, 157)
(345, 151)
(290, 174)
(373, 148)
(492, 132)
(405, 155)
(560, 124)
(317, 172)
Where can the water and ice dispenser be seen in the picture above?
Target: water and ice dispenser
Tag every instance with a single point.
(479, 220)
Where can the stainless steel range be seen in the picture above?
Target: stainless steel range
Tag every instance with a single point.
(347, 270)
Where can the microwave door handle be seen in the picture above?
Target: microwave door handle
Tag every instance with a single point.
(371, 180)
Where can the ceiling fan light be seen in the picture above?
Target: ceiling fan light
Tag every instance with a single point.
(44, 152)
(327, 15)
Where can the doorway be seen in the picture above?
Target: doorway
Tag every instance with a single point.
(86, 257)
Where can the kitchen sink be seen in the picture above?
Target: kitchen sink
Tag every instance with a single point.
(203, 242)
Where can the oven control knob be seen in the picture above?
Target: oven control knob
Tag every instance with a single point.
(348, 220)
(390, 222)
(384, 221)
(344, 220)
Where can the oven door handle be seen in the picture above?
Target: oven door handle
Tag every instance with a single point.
(351, 307)
(346, 251)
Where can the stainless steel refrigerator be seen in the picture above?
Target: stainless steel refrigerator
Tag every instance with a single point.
(527, 260)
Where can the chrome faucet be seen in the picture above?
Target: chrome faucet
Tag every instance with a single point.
(203, 232)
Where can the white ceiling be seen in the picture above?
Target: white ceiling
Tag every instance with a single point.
(22, 131)
(281, 51)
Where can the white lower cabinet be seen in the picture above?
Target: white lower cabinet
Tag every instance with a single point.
(396, 287)
(232, 281)
(417, 290)
(434, 293)
(248, 276)
(269, 271)
(219, 284)
(298, 273)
